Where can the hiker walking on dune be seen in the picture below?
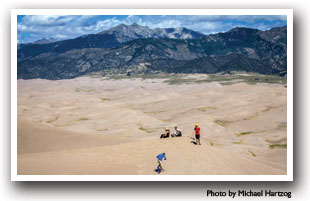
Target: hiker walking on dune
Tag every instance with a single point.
(197, 134)
(178, 132)
(160, 158)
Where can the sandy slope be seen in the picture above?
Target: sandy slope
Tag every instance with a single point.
(54, 151)
(34, 137)
(94, 126)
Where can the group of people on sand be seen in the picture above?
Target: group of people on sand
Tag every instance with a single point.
(178, 133)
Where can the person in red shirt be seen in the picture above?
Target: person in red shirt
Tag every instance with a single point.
(197, 134)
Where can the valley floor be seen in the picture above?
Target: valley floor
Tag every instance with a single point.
(112, 126)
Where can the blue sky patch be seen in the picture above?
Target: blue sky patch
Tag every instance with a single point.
(34, 27)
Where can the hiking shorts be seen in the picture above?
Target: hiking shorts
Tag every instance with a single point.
(197, 137)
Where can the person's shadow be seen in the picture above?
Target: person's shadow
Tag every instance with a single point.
(158, 170)
(195, 143)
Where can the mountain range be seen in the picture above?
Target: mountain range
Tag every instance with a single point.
(140, 49)
(45, 41)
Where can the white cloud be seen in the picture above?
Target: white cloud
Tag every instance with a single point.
(106, 24)
(59, 27)
(46, 20)
(166, 24)
(252, 18)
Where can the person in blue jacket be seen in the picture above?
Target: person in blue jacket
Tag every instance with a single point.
(160, 158)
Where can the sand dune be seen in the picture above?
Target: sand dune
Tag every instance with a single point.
(54, 151)
(34, 137)
(102, 126)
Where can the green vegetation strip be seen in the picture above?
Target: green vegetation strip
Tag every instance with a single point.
(222, 122)
(141, 76)
(224, 78)
(53, 120)
(145, 130)
(82, 119)
(239, 142)
(228, 79)
(82, 90)
(173, 81)
(102, 129)
(253, 154)
(204, 109)
(255, 116)
(105, 99)
(245, 133)
(281, 146)
(156, 112)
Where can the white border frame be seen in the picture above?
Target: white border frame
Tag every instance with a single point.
(287, 12)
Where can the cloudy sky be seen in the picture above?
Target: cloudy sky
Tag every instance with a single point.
(34, 27)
